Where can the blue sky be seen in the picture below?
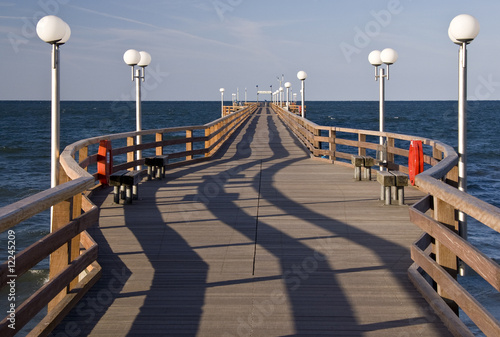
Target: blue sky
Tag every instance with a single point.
(198, 46)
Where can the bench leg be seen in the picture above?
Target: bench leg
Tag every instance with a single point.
(394, 192)
(122, 192)
(135, 192)
(357, 173)
(367, 173)
(158, 172)
(163, 172)
(387, 195)
(150, 171)
(128, 198)
(401, 195)
(116, 194)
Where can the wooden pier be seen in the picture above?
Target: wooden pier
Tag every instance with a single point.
(258, 229)
(260, 241)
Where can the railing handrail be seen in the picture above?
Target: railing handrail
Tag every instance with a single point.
(24, 209)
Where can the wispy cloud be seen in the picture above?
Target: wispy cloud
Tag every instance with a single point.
(188, 40)
(121, 18)
(11, 17)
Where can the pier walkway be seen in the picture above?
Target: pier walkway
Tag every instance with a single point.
(260, 241)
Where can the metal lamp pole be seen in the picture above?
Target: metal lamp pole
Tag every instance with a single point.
(55, 31)
(302, 75)
(463, 30)
(222, 101)
(287, 86)
(142, 59)
(387, 56)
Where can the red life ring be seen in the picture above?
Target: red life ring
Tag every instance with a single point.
(415, 160)
(104, 161)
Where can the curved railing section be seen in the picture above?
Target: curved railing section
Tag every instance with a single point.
(437, 253)
(73, 253)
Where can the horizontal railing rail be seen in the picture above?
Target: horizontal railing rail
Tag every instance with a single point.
(73, 253)
(437, 253)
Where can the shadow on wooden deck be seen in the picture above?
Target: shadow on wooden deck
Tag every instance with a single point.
(289, 281)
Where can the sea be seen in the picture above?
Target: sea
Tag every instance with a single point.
(25, 156)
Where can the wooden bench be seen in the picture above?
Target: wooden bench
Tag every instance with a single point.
(387, 180)
(156, 166)
(125, 184)
(362, 167)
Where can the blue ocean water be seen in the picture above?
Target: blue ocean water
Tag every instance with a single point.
(25, 151)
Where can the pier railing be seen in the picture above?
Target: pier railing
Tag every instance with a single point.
(73, 253)
(438, 252)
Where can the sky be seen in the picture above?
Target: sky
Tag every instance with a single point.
(199, 46)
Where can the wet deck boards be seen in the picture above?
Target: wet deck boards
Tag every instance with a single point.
(261, 241)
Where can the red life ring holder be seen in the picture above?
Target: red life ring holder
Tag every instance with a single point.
(415, 160)
(104, 161)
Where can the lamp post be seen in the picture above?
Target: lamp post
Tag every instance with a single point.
(142, 59)
(463, 30)
(302, 75)
(387, 56)
(257, 86)
(221, 102)
(281, 97)
(55, 31)
(287, 86)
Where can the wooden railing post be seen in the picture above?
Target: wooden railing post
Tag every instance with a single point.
(446, 214)
(189, 145)
(361, 150)
(207, 142)
(390, 144)
(83, 154)
(436, 153)
(317, 144)
(331, 144)
(130, 154)
(159, 149)
(61, 214)
(75, 242)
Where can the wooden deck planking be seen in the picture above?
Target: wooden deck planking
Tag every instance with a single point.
(261, 241)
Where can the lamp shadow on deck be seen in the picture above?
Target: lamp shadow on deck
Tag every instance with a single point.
(317, 298)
